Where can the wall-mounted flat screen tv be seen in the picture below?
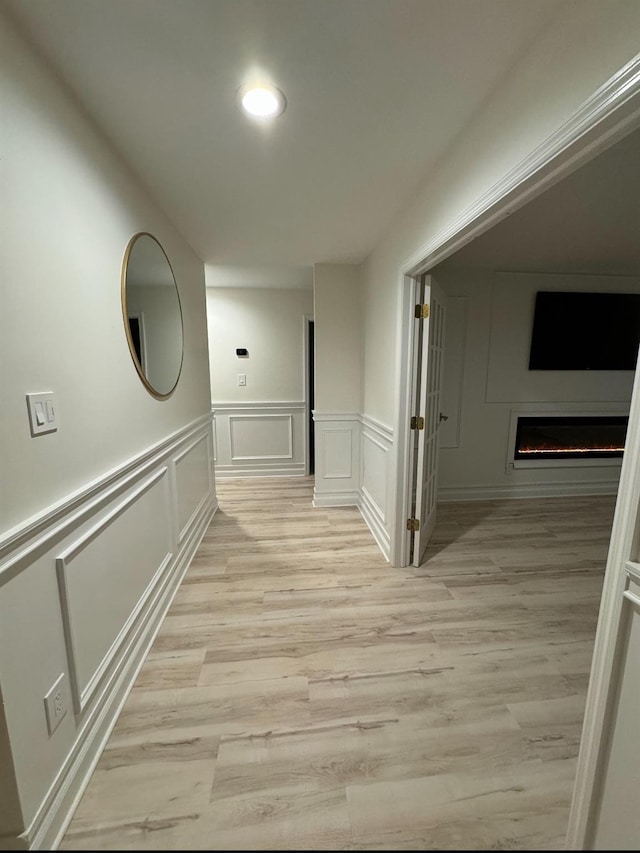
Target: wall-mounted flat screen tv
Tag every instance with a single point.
(585, 331)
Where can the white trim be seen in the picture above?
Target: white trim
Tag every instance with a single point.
(633, 571)
(321, 417)
(384, 431)
(294, 470)
(351, 498)
(612, 111)
(233, 407)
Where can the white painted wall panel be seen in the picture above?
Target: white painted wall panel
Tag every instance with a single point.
(338, 469)
(337, 460)
(105, 573)
(376, 500)
(261, 437)
(375, 461)
(194, 480)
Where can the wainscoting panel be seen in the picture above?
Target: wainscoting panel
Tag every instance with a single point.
(376, 444)
(104, 577)
(337, 464)
(259, 439)
(194, 482)
(84, 587)
(337, 457)
(271, 434)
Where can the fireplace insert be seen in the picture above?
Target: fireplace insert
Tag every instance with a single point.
(576, 437)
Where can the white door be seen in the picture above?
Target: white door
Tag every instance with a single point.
(605, 812)
(429, 362)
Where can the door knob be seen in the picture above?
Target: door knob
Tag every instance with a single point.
(444, 417)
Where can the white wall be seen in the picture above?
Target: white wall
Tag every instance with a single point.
(111, 506)
(585, 46)
(338, 313)
(260, 428)
(338, 383)
(269, 324)
(489, 380)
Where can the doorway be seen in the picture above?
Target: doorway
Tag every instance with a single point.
(309, 385)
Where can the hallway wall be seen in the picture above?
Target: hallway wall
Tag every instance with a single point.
(98, 520)
(260, 428)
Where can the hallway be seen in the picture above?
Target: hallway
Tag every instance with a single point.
(303, 694)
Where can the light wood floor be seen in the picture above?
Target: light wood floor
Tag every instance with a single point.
(303, 694)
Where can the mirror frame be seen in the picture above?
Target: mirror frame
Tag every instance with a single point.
(125, 315)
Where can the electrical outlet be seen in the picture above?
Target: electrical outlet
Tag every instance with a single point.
(55, 703)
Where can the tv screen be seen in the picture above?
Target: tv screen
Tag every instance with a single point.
(585, 331)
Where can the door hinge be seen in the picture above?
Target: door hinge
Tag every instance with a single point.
(417, 423)
(422, 312)
(413, 524)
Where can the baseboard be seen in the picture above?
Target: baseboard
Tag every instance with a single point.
(226, 472)
(336, 498)
(48, 828)
(526, 490)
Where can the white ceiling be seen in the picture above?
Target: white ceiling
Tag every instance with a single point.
(376, 90)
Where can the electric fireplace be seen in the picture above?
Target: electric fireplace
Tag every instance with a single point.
(575, 437)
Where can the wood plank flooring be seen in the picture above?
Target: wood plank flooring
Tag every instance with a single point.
(303, 694)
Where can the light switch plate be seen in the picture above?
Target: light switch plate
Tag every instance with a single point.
(43, 412)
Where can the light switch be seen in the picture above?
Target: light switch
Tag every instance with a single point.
(42, 412)
(242, 379)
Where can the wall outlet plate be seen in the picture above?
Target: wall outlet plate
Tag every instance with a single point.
(55, 703)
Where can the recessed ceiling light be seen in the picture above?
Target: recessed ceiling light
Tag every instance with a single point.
(262, 101)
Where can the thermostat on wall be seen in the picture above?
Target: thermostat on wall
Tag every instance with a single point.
(242, 353)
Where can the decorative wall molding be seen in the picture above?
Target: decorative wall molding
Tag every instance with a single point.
(285, 421)
(17, 544)
(258, 439)
(376, 446)
(337, 468)
(79, 637)
(117, 553)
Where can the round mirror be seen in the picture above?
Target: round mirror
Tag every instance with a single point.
(152, 314)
